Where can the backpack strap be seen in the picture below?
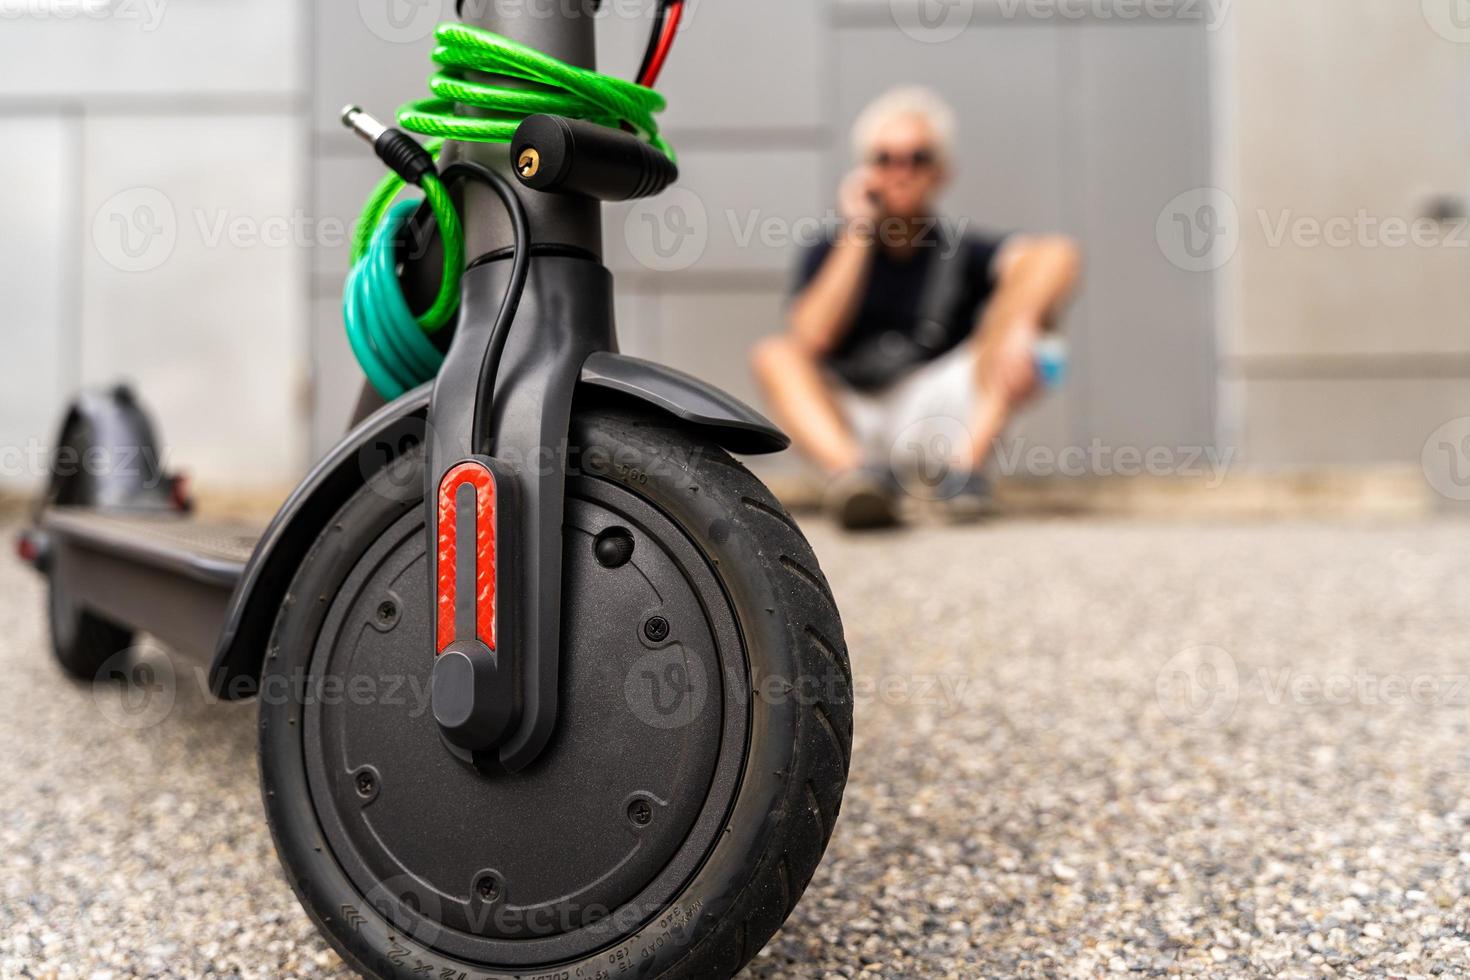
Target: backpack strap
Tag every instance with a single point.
(943, 288)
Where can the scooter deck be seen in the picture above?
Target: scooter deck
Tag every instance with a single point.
(165, 574)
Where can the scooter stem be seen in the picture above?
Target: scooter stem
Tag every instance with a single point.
(564, 30)
(496, 683)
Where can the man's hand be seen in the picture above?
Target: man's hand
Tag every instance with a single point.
(856, 201)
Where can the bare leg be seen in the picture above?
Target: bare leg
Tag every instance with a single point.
(987, 424)
(1004, 381)
(803, 403)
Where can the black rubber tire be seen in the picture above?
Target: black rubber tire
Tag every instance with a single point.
(797, 755)
(82, 641)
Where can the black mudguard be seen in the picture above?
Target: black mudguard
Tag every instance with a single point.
(723, 418)
(107, 456)
(390, 432)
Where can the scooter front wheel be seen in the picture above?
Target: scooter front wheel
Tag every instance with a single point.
(698, 764)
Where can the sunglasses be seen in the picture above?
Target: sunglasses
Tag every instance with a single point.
(918, 160)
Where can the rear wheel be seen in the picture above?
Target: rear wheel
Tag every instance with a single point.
(81, 640)
(697, 768)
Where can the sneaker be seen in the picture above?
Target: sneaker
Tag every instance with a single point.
(974, 501)
(862, 499)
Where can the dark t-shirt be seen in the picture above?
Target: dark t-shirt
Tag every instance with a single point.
(896, 328)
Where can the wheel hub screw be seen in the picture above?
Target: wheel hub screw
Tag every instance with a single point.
(640, 811)
(366, 784)
(387, 612)
(488, 888)
(656, 629)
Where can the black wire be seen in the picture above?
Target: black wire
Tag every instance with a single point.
(658, 33)
(519, 271)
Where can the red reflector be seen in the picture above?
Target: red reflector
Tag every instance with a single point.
(26, 547)
(179, 497)
(477, 476)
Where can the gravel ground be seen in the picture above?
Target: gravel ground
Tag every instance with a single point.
(1082, 747)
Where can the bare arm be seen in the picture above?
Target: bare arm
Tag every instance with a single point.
(821, 316)
(1037, 277)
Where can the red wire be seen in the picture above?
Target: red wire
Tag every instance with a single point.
(665, 45)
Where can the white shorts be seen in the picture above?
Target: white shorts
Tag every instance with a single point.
(925, 415)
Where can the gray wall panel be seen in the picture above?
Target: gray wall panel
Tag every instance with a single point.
(1146, 341)
(193, 288)
(341, 183)
(732, 211)
(155, 48)
(755, 64)
(40, 284)
(365, 58)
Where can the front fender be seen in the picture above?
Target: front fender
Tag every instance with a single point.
(376, 442)
(723, 418)
(391, 431)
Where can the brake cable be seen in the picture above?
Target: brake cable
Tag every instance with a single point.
(393, 345)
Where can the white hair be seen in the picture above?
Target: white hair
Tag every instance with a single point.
(909, 102)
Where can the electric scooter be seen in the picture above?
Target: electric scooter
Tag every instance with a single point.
(640, 710)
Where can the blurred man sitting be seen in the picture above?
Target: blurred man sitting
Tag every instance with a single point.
(898, 320)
